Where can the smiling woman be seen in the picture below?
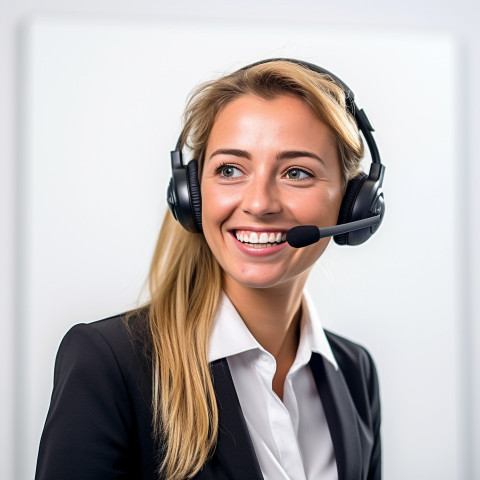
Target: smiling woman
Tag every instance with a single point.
(227, 373)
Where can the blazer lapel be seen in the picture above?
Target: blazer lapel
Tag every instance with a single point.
(234, 448)
(341, 417)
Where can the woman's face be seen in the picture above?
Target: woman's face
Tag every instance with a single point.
(270, 165)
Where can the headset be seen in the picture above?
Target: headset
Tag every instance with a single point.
(363, 196)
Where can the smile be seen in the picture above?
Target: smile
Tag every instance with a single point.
(260, 239)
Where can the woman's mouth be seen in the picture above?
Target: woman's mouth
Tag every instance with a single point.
(260, 239)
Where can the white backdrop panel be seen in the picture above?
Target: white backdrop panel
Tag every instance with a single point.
(103, 101)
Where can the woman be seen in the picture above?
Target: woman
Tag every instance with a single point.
(227, 372)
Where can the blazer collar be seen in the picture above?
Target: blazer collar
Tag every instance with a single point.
(234, 447)
(341, 416)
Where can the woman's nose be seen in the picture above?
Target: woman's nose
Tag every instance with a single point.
(261, 197)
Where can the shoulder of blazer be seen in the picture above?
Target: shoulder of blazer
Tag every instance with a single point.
(127, 338)
(99, 421)
(124, 336)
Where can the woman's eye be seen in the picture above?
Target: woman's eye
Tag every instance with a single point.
(228, 171)
(297, 174)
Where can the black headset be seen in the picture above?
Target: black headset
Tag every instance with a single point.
(363, 196)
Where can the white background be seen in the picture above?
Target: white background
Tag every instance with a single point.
(88, 136)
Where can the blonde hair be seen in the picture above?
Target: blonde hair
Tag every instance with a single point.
(185, 278)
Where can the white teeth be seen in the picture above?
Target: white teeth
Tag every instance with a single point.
(261, 239)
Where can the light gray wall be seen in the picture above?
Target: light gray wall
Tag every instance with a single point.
(456, 18)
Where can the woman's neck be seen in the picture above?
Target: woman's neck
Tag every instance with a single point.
(271, 314)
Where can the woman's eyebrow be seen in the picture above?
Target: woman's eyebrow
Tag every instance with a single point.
(286, 155)
(232, 151)
(291, 154)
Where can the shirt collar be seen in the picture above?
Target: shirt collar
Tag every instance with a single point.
(231, 336)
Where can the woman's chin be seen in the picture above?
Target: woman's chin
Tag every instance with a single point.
(258, 279)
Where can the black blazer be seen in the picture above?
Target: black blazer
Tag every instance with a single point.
(99, 422)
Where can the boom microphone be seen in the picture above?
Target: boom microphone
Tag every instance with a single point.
(305, 235)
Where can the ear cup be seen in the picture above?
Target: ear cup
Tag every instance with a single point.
(182, 185)
(171, 198)
(194, 189)
(348, 203)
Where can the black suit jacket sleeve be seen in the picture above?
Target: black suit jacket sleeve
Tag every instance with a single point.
(90, 428)
(375, 471)
(358, 369)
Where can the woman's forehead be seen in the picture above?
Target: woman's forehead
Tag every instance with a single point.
(251, 121)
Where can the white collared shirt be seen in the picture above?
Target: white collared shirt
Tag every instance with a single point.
(291, 438)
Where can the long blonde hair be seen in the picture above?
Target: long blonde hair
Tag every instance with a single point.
(185, 278)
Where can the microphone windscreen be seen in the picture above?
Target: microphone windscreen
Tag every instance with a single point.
(303, 236)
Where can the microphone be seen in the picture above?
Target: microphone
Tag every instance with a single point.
(305, 235)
